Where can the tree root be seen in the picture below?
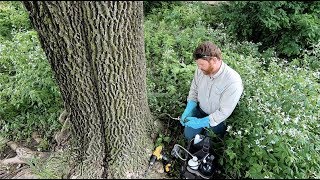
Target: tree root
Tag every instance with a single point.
(25, 155)
(5, 175)
(63, 136)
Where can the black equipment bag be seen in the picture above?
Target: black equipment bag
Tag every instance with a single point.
(201, 150)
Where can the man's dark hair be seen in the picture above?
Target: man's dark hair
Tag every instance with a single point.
(205, 50)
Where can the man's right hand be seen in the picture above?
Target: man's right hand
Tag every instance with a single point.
(190, 106)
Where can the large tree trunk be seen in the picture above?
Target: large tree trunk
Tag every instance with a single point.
(96, 50)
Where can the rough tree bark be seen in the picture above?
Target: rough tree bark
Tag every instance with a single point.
(96, 50)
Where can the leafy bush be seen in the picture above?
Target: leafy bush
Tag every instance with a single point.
(148, 6)
(171, 35)
(274, 128)
(289, 27)
(13, 17)
(311, 58)
(29, 98)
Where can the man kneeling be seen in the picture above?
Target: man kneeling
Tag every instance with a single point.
(214, 93)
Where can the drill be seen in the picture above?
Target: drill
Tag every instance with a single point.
(158, 155)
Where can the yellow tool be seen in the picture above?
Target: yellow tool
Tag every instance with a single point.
(158, 155)
(167, 167)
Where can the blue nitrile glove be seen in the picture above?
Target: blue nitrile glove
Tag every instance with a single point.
(197, 123)
(190, 106)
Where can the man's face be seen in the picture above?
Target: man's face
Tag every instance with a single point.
(206, 66)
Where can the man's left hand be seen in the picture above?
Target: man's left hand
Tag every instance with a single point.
(197, 123)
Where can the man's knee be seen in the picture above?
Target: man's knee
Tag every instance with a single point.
(189, 133)
(188, 136)
(219, 130)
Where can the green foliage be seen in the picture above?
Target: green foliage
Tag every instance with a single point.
(274, 128)
(13, 17)
(288, 26)
(311, 58)
(44, 145)
(162, 140)
(148, 6)
(273, 132)
(3, 144)
(29, 98)
(171, 35)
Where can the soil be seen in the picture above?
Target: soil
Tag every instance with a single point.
(15, 171)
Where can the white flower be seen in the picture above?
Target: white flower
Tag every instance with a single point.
(257, 141)
(292, 150)
(292, 132)
(287, 119)
(270, 131)
(229, 128)
(304, 126)
(308, 157)
(296, 120)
